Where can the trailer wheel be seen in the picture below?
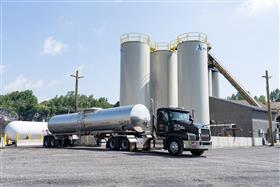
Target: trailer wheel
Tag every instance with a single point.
(132, 147)
(67, 142)
(46, 142)
(175, 146)
(125, 145)
(197, 152)
(113, 143)
(52, 142)
(147, 146)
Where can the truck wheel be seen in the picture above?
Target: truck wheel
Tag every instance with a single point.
(175, 146)
(147, 146)
(67, 142)
(113, 143)
(132, 147)
(46, 142)
(125, 145)
(197, 152)
(52, 142)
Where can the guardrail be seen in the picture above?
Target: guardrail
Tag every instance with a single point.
(190, 36)
(138, 37)
(162, 46)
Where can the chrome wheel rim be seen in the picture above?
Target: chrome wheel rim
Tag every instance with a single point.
(174, 147)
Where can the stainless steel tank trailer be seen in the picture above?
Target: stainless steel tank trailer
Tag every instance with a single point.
(130, 127)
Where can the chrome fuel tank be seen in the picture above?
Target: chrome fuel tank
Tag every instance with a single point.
(133, 118)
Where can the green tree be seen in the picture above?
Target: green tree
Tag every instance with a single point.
(23, 103)
(236, 96)
(275, 95)
(66, 104)
(26, 106)
(261, 99)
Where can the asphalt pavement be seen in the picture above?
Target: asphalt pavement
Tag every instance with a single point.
(89, 166)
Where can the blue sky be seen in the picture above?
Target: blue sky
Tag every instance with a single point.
(43, 43)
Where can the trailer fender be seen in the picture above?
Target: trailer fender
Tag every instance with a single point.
(131, 139)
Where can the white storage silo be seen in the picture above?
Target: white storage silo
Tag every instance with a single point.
(193, 75)
(164, 78)
(210, 81)
(215, 83)
(135, 70)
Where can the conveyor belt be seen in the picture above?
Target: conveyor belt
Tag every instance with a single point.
(245, 94)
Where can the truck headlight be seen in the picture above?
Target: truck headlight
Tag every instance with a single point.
(191, 136)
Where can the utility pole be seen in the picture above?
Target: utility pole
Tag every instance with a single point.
(268, 107)
(77, 77)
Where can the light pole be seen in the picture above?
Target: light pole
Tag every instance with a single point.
(268, 107)
(77, 77)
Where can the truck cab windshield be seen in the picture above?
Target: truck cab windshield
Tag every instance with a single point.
(179, 116)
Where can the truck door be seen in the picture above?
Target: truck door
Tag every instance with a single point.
(163, 124)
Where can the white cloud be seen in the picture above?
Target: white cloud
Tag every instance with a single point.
(52, 83)
(3, 68)
(42, 98)
(252, 8)
(23, 83)
(51, 46)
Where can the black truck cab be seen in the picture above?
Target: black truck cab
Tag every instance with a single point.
(176, 128)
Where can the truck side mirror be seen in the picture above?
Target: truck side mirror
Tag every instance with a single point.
(191, 119)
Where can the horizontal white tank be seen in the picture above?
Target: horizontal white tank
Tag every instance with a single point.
(164, 79)
(135, 71)
(24, 129)
(215, 83)
(193, 76)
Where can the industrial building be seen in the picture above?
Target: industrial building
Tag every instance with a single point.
(230, 118)
(183, 73)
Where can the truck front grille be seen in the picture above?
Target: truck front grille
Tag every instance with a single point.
(205, 135)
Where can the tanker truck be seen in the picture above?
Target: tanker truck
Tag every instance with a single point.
(132, 127)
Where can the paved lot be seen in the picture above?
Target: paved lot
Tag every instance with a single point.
(80, 166)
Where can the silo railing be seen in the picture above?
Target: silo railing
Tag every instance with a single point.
(137, 37)
(140, 37)
(190, 36)
(162, 46)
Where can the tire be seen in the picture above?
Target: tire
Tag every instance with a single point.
(175, 146)
(113, 144)
(147, 146)
(67, 142)
(46, 142)
(52, 142)
(196, 152)
(132, 147)
(125, 144)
